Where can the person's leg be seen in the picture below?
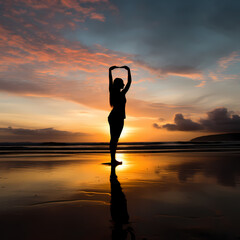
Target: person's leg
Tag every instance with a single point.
(115, 131)
(113, 143)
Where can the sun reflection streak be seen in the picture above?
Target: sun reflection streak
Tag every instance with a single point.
(125, 162)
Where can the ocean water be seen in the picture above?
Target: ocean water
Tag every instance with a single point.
(161, 191)
(127, 147)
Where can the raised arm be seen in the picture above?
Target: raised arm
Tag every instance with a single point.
(110, 76)
(129, 81)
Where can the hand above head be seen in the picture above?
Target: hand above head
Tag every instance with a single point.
(125, 67)
(113, 67)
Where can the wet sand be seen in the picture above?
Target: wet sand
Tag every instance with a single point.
(178, 195)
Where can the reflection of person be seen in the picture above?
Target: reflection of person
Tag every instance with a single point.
(118, 210)
(117, 115)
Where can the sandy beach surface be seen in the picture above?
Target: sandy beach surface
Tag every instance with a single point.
(167, 195)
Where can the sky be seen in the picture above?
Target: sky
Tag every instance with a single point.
(184, 58)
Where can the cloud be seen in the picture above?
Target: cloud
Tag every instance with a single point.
(155, 125)
(221, 120)
(221, 72)
(62, 49)
(182, 124)
(98, 16)
(43, 63)
(38, 135)
(225, 62)
(217, 120)
(46, 64)
(45, 9)
(202, 84)
(173, 36)
(179, 70)
(143, 108)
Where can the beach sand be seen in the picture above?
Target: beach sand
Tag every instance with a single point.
(179, 195)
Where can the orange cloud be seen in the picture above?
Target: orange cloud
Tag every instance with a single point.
(202, 84)
(194, 76)
(213, 76)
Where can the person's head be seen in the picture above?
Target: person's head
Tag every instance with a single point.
(118, 83)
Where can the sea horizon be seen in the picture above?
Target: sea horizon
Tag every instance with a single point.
(7, 148)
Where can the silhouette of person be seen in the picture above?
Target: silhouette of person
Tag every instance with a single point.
(117, 115)
(118, 208)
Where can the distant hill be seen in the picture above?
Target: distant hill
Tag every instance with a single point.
(218, 137)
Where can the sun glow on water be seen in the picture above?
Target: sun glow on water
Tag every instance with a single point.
(125, 163)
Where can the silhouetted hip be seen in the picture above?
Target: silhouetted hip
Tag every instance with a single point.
(116, 126)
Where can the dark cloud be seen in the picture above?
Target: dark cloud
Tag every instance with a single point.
(182, 124)
(155, 125)
(218, 120)
(221, 120)
(37, 135)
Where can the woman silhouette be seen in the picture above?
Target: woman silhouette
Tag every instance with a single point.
(117, 115)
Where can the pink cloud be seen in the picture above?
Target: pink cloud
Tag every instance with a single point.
(73, 4)
(45, 11)
(220, 73)
(63, 53)
(225, 62)
(39, 4)
(97, 16)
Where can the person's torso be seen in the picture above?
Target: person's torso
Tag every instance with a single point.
(119, 103)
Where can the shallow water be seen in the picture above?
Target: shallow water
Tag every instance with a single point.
(190, 195)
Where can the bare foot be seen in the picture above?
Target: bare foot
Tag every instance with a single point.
(115, 162)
